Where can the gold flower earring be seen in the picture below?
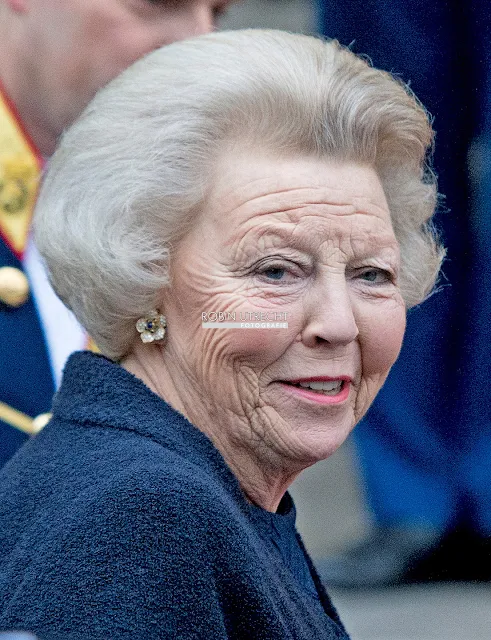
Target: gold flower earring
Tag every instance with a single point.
(152, 327)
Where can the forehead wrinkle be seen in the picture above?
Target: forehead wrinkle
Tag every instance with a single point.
(277, 236)
(288, 224)
(297, 217)
(354, 241)
(271, 200)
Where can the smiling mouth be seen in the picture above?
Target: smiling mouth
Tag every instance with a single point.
(326, 388)
(336, 388)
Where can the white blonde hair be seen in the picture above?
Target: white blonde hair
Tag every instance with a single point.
(131, 174)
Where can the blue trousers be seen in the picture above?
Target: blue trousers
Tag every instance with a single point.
(425, 445)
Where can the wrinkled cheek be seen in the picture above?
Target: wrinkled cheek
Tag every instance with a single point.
(228, 365)
(255, 348)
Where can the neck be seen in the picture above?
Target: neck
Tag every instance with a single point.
(13, 80)
(262, 478)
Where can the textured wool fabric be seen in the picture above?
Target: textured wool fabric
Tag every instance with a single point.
(122, 520)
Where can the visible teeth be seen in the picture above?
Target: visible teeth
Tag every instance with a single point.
(330, 386)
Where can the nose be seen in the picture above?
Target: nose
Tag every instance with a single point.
(330, 318)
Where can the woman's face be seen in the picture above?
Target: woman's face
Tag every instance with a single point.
(307, 238)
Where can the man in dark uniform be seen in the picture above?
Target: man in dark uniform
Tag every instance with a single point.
(54, 56)
(425, 446)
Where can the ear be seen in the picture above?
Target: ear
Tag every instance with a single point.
(17, 6)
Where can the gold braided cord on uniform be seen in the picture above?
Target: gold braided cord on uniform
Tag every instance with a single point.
(17, 419)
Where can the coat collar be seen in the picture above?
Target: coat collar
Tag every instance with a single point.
(96, 391)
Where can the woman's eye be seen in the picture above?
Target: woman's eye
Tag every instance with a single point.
(376, 276)
(282, 271)
(274, 273)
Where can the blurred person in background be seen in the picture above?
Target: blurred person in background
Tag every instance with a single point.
(54, 56)
(425, 445)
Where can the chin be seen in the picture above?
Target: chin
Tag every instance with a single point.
(313, 442)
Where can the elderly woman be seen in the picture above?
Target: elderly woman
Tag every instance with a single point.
(251, 177)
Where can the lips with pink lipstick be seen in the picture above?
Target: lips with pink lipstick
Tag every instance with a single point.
(323, 389)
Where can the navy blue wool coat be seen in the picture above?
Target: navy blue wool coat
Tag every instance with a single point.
(122, 520)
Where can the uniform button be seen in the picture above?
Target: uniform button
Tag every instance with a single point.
(40, 421)
(14, 287)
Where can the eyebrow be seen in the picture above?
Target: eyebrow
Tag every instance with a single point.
(304, 243)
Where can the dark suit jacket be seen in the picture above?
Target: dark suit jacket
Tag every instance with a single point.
(122, 520)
